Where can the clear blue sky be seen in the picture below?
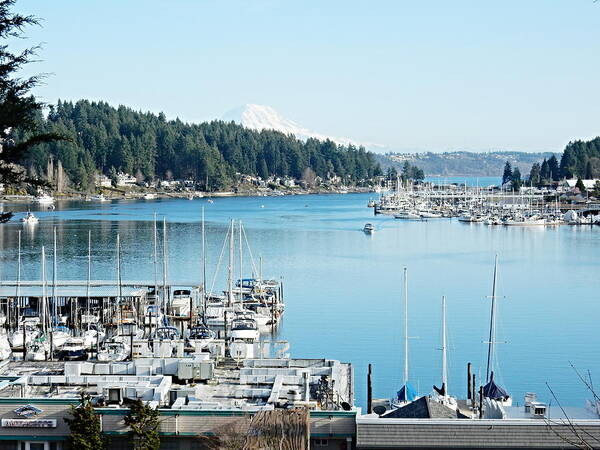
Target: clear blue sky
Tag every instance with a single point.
(434, 74)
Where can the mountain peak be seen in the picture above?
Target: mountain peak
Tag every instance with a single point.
(263, 117)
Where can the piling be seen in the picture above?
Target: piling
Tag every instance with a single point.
(469, 393)
(369, 392)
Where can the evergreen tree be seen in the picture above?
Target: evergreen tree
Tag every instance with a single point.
(144, 424)
(508, 173)
(554, 169)
(516, 179)
(85, 427)
(588, 171)
(545, 171)
(534, 174)
(18, 109)
(579, 185)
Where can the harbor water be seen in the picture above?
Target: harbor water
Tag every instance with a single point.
(343, 288)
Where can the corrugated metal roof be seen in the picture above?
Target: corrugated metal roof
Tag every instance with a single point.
(71, 291)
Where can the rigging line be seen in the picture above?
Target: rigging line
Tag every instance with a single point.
(249, 250)
(214, 280)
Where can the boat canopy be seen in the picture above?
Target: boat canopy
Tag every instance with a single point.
(406, 393)
(493, 391)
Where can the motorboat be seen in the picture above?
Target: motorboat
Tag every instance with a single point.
(98, 198)
(244, 327)
(200, 336)
(408, 215)
(44, 199)
(369, 228)
(430, 215)
(29, 219)
(153, 315)
(166, 333)
(149, 196)
(180, 305)
(73, 349)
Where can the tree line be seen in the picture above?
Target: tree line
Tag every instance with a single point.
(580, 159)
(100, 138)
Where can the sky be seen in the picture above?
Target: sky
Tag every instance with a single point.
(415, 75)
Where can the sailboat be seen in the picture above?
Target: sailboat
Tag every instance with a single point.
(492, 390)
(5, 350)
(407, 393)
(442, 395)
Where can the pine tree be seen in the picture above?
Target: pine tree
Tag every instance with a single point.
(508, 173)
(85, 427)
(18, 109)
(516, 179)
(144, 424)
(554, 169)
(579, 185)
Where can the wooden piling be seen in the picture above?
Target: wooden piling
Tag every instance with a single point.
(369, 392)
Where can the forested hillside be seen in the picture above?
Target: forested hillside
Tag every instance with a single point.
(581, 159)
(107, 139)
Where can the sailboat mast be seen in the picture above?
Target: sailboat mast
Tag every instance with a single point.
(54, 266)
(241, 259)
(18, 287)
(444, 360)
(165, 300)
(491, 342)
(119, 280)
(44, 293)
(405, 327)
(89, 277)
(155, 254)
(203, 265)
(230, 268)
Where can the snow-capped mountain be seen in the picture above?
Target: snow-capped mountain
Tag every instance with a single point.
(261, 117)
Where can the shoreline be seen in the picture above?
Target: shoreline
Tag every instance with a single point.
(116, 194)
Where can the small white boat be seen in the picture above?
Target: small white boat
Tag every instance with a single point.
(244, 327)
(59, 336)
(29, 219)
(113, 351)
(165, 333)
(20, 336)
(44, 199)
(98, 198)
(430, 215)
(73, 350)
(5, 350)
(200, 336)
(369, 228)
(210, 200)
(408, 215)
(149, 196)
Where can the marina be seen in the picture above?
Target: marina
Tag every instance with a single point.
(487, 205)
(224, 349)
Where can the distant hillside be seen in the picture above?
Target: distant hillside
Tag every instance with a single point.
(463, 163)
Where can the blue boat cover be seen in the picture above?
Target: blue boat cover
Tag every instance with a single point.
(406, 393)
(493, 391)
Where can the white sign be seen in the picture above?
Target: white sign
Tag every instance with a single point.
(29, 423)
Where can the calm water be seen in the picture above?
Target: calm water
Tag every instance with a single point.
(344, 289)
